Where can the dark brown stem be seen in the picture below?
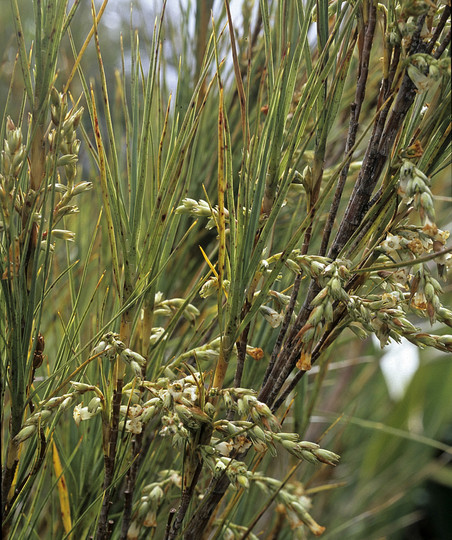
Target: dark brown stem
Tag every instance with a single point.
(355, 110)
(439, 51)
(187, 495)
(280, 369)
(377, 153)
(442, 23)
(215, 492)
(284, 327)
(168, 523)
(136, 458)
(103, 526)
(130, 484)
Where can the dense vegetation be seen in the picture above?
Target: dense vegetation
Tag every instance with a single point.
(191, 279)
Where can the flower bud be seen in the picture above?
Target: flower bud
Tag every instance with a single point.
(63, 234)
(24, 434)
(38, 417)
(307, 456)
(156, 495)
(272, 316)
(328, 311)
(67, 159)
(320, 297)
(335, 288)
(293, 266)
(316, 316)
(81, 187)
(326, 456)
(220, 467)
(308, 445)
(188, 205)
(242, 481)
(308, 335)
(94, 404)
(52, 402)
(429, 291)
(129, 356)
(82, 387)
(66, 403)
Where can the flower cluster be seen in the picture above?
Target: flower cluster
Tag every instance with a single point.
(386, 317)
(333, 281)
(244, 402)
(13, 156)
(293, 503)
(175, 401)
(152, 495)
(209, 352)
(415, 242)
(46, 410)
(212, 285)
(411, 241)
(312, 265)
(263, 432)
(178, 403)
(62, 155)
(169, 307)
(235, 470)
(315, 266)
(64, 150)
(425, 291)
(415, 185)
(110, 346)
(407, 13)
(201, 209)
(306, 450)
(424, 70)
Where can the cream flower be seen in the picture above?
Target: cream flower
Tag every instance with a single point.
(82, 413)
(134, 425)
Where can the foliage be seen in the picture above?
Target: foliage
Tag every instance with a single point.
(182, 276)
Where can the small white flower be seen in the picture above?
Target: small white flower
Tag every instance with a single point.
(272, 316)
(219, 467)
(134, 425)
(419, 300)
(135, 411)
(224, 448)
(156, 334)
(391, 243)
(82, 413)
(191, 393)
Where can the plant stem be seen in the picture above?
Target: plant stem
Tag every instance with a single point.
(355, 110)
(109, 462)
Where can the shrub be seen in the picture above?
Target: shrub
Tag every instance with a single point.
(174, 268)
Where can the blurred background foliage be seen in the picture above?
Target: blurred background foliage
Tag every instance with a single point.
(395, 477)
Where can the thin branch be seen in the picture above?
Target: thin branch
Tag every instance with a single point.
(355, 110)
(403, 264)
(377, 153)
(284, 326)
(442, 23)
(439, 51)
(187, 495)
